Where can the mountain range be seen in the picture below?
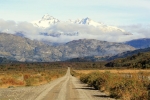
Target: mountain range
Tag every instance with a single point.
(139, 43)
(110, 58)
(49, 22)
(50, 39)
(51, 29)
(23, 49)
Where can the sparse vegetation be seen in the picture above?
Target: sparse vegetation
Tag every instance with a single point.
(131, 86)
(119, 83)
(28, 74)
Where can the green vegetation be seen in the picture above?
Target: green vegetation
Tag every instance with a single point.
(120, 86)
(141, 60)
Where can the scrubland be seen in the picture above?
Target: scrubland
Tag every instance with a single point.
(12, 75)
(119, 84)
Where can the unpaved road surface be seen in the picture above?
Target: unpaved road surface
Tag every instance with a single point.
(64, 88)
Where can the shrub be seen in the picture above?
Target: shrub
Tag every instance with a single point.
(84, 78)
(92, 79)
(125, 87)
(129, 89)
(103, 81)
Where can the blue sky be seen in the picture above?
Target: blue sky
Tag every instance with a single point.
(111, 12)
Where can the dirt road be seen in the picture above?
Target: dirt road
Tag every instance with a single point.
(65, 88)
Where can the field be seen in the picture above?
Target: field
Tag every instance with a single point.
(29, 74)
(121, 71)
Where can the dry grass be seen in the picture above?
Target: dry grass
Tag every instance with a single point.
(28, 78)
(124, 71)
(120, 84)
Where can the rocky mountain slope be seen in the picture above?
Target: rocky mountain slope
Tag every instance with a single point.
(23, 49)
(87, 47)
(128, 53)
(109, 58)
(5, 60)
(139, 43)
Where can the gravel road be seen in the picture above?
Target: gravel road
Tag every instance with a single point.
(64, 88)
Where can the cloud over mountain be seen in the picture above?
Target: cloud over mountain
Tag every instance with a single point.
(139, 30)
(54, 30)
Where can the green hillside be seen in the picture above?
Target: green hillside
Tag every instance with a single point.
(140, 60)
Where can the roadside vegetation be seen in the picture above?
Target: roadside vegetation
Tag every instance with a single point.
(124, 86)
(29, 74)
(124, 78)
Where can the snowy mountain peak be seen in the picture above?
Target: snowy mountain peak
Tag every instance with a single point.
(46, 21)
(85, 21)
(47, 17)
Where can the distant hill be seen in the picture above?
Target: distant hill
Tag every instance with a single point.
(92, 47)
(5, 60)
(140, 60)
(23, 49)
(109, 58)
(126, 54)
(139, 43)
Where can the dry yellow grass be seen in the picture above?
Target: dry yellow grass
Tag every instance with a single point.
(113, 71)
(26, 78)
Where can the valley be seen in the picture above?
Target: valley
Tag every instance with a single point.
(74, 50)
(76, 80)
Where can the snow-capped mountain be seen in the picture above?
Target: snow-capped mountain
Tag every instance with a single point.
(54, 30)
(101, 26)
(46, 21)
(86, 21)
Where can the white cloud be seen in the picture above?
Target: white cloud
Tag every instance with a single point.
(140, 30)
(85, 32)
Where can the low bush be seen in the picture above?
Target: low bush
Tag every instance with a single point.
(84, 78)
(129, 89)
(125, 87)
